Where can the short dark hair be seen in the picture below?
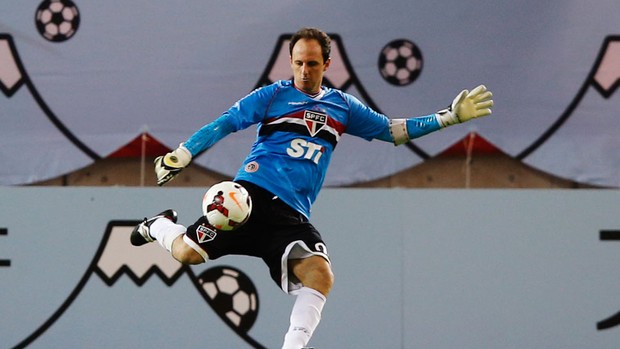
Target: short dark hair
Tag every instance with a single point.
(309, 33)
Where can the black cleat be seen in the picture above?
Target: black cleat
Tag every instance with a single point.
(140, 234)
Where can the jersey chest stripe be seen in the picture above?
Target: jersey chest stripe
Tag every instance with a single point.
(334, 126)
(328, 127)
(301, 129)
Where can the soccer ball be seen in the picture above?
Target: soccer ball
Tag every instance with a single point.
(57, 20)
(227, 205)
(232, 295)
(400, 62)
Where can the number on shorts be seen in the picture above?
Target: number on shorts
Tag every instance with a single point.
(320, 247)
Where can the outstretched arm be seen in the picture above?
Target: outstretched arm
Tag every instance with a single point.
(170, 165)
(247, 111)
(466, 106)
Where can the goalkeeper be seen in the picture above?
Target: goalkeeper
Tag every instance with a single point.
(300, 122)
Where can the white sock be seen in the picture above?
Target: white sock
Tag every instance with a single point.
(305, 317)
(165, 232)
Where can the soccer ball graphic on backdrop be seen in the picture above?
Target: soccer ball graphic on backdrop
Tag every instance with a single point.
(57, 20)
(227, 205)
(232, 294)
(400, 62)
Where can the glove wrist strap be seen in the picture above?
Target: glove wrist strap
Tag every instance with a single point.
(447, 117)
(178, 158)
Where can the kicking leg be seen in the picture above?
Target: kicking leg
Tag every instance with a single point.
(163, 229)
(317, 279)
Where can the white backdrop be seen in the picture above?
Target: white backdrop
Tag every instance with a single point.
(167, 68)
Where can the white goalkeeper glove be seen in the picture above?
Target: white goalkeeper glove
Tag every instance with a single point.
(466, 106)
(170, 165)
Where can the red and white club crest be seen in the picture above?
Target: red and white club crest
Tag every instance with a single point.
(314, 121)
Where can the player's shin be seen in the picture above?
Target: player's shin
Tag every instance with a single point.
(165, 232)
(305, 317)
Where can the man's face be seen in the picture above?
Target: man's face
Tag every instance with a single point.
(308, 66)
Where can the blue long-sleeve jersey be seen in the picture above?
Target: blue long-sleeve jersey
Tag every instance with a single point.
(296, 136)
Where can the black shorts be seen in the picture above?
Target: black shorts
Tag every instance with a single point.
(274, 232)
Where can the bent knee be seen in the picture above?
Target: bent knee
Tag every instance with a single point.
(322, 279)
(183, 253)
(327, 275)
(314, 272)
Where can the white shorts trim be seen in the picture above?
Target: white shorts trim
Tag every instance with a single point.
(196, 248)
(295, 250)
